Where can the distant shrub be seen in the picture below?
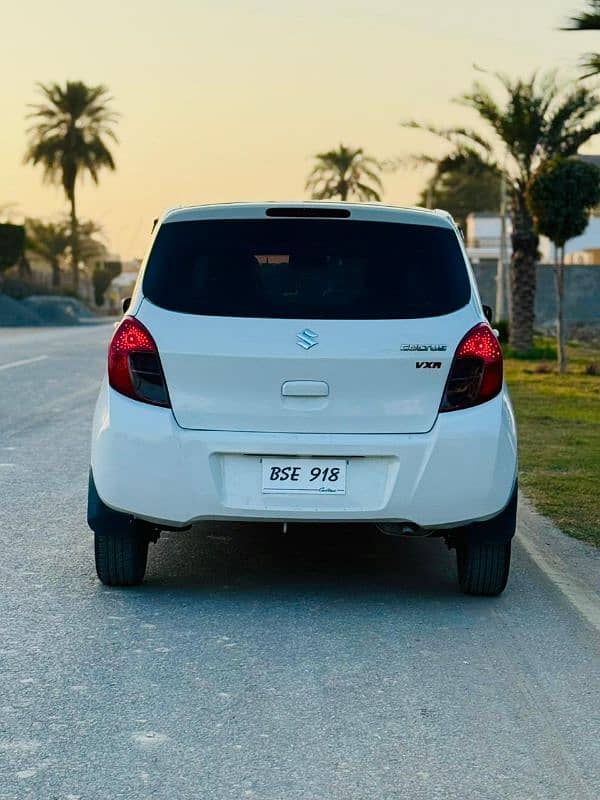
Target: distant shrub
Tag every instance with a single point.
(17, 288)
(12, 244)
(102, 276)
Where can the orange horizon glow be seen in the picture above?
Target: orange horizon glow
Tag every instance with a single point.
(224, 101)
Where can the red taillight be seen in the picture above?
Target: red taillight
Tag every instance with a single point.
(476, 372)
(134, 367)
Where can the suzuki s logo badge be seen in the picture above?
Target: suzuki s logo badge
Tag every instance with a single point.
(307, 338)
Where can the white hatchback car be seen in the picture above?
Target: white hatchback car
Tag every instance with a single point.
(310, 361)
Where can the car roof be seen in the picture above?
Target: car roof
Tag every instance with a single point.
(358, 211)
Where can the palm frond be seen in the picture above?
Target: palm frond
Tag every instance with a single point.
(456, 136)
(49, 240)
(590, 63)
(587, 20)
(361, 170)
(481, 100)
(575, 139)
(365, 192)
(574, 108)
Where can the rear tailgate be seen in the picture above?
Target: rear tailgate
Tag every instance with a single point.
(363, 376)
(307, 325)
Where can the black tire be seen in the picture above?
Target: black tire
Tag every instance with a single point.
(483, 567)
(121, 559)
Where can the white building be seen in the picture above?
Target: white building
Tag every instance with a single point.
(483, 236)
(484, 232)
(577, 249)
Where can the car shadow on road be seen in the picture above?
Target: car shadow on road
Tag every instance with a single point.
(334, 560)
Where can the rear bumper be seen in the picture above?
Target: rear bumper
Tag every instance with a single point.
(144, 464)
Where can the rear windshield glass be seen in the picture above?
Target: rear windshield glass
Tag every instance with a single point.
(306, 269)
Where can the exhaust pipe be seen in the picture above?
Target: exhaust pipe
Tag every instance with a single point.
(403, 529)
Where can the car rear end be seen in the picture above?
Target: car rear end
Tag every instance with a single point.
(307, 362)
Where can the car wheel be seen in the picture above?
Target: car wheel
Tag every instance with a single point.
(121, 559)
(483, 567)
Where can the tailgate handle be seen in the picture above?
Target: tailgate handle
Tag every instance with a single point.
(305, 389)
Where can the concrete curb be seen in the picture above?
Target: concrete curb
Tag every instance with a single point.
(573, 566)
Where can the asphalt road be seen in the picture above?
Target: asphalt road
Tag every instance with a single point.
(327, 664)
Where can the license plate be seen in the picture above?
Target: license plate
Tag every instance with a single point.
(303, 475)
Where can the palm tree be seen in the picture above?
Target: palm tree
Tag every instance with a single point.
(536, 122)
(90, 240)
(345, 173)
(462, 182)
(588, 21)
(50, 240)
(68, 138)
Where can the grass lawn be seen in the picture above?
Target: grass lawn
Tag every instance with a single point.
(559, 438)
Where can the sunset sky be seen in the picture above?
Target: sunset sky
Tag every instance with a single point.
(227, 100)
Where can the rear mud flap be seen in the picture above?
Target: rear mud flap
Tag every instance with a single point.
(500, 528)
(105, 520)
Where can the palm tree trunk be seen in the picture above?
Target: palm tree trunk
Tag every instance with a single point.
(522, 277)
(74, 242)
(561, 333)
(55, 275)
